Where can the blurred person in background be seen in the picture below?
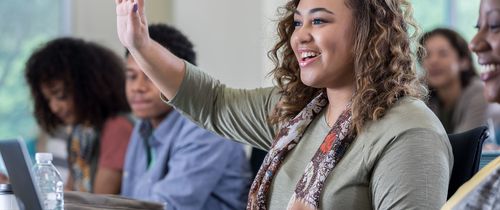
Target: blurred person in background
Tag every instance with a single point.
(452, 80)
(81, 85)
(454, 84)
(170, 159)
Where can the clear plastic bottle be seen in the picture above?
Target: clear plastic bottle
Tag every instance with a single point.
(49, 182)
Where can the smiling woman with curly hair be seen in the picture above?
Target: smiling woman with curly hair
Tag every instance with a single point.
(345, 127)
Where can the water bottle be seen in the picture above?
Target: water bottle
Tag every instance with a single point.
(49, 182)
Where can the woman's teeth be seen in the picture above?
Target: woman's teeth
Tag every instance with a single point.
(306, 55)
(490, 68)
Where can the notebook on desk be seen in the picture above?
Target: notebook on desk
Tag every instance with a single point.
(18, 165)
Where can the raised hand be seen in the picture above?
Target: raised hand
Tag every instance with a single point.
(131, 23)
(164, 68)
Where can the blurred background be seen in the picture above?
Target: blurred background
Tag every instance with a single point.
(226, 33)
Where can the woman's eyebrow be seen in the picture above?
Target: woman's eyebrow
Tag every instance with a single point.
(492, 10)
(315, 10)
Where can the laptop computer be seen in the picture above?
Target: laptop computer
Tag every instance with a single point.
(18, 165)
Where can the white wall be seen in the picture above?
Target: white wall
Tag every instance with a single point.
(227, 35)
(269, 22)
(231, 37)
(96, 20)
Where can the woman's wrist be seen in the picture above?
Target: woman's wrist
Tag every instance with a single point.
(143, 47)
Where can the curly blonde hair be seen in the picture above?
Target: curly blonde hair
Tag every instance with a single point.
(384, 64)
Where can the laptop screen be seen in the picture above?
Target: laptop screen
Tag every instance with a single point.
(18, 165)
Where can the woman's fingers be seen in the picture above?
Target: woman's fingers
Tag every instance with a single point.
(134, 17)
(141, 9)
(140, 3)
(131, 22)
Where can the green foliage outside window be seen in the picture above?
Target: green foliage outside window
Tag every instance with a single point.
(24, 26)
(460, 15)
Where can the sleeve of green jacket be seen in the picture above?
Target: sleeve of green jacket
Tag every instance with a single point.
(233, 113)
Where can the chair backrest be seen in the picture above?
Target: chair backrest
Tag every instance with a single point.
(256, 159)
(467, 148)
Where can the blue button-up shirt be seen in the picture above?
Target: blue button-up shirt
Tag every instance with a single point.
(189, 167)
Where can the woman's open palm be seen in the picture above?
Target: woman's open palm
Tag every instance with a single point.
(131, 23)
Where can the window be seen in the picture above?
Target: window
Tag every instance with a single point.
(23, 28)
(459, 15)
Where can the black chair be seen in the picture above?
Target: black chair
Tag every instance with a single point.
(256, 159)
(467, 147)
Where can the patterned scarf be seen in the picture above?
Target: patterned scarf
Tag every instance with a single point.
(82, 156)
(308, 190)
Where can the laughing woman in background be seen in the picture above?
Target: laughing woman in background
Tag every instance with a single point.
(483, 190)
